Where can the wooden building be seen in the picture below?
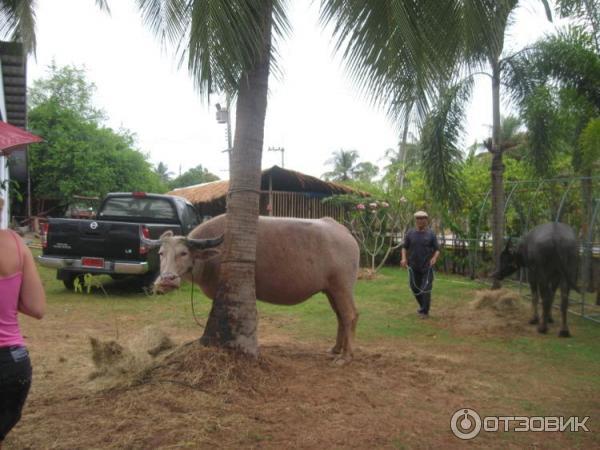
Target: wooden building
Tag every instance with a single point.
(284, 193)
(13, 110)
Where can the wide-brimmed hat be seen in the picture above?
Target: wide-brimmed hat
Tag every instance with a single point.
(421, 214)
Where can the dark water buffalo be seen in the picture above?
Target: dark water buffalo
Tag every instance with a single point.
(549, 252)
(295, 259)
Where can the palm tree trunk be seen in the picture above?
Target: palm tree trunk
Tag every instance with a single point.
(586, 194)
(402, 155)
(233, 318)
(497, 173)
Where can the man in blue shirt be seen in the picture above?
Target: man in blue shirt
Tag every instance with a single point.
(423, 251)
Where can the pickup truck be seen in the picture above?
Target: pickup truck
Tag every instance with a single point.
(111, 244)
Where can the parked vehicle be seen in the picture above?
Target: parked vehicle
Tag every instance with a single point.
(82, 207)
(111, 244)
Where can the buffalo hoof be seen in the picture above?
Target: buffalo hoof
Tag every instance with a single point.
(564, 333)
(342, 360)
(335, 351)
(534, 321)
(543, 329)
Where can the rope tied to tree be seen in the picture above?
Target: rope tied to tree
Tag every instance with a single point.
(235, 191)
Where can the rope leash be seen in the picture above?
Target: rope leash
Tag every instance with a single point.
(192, 303)
(412, 283)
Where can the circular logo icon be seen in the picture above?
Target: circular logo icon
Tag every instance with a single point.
(94, 225)
(465, 424)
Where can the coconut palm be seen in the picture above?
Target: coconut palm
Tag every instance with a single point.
(469, 42)
(556, 84)
(162, 170)
(491, 34)
(228, 46)
(344, 165)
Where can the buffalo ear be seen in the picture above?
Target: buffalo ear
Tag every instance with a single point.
(166, 234)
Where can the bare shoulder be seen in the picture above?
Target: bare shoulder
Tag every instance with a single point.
(8, 237)
(10, 262)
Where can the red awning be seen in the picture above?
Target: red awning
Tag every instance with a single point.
(12, 137)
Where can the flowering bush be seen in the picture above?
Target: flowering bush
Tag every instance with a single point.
(375, 224)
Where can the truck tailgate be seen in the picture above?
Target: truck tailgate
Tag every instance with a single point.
(111, 240)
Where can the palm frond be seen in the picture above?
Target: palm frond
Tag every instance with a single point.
(440, 143)
(17, 22)
(103, 6)
(541, 118)
(391, 48)
(584, 12)
(217, 39)
(399, 52)
(566, 60)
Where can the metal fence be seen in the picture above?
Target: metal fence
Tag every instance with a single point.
(529, 203)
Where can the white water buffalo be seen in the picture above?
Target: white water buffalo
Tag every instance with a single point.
(295, 259)
(549, 252)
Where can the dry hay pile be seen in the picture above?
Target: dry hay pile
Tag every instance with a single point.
(214, 369)
(145, 359)
(503, 302)
(118, 364)
(492, 312)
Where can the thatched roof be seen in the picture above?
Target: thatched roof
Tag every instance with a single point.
(282, 180)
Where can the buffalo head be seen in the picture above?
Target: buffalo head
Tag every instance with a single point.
(178, 254)
(509, 261)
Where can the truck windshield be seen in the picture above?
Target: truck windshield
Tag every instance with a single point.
(134, 209)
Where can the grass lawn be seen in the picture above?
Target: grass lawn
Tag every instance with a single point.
(408, 377)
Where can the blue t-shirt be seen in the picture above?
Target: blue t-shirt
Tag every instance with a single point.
(421, 246)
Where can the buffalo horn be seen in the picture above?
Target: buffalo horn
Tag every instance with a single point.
(150, 243)
(205, 243)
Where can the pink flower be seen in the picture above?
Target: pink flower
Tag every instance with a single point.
(360, 206)
(385, 205)
(373, 205)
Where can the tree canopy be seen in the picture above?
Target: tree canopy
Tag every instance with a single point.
(79, 155)
(195, 175)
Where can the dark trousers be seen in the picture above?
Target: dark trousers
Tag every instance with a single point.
(421, 283)
(15, 380)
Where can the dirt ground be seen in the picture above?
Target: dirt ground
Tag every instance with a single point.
(397, 393)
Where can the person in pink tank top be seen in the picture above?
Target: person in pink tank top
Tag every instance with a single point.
(21, 290)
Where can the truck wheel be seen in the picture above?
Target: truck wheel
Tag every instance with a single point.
(147, 280)
(69, 281)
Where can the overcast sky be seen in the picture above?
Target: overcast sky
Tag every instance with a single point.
(313, 110)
